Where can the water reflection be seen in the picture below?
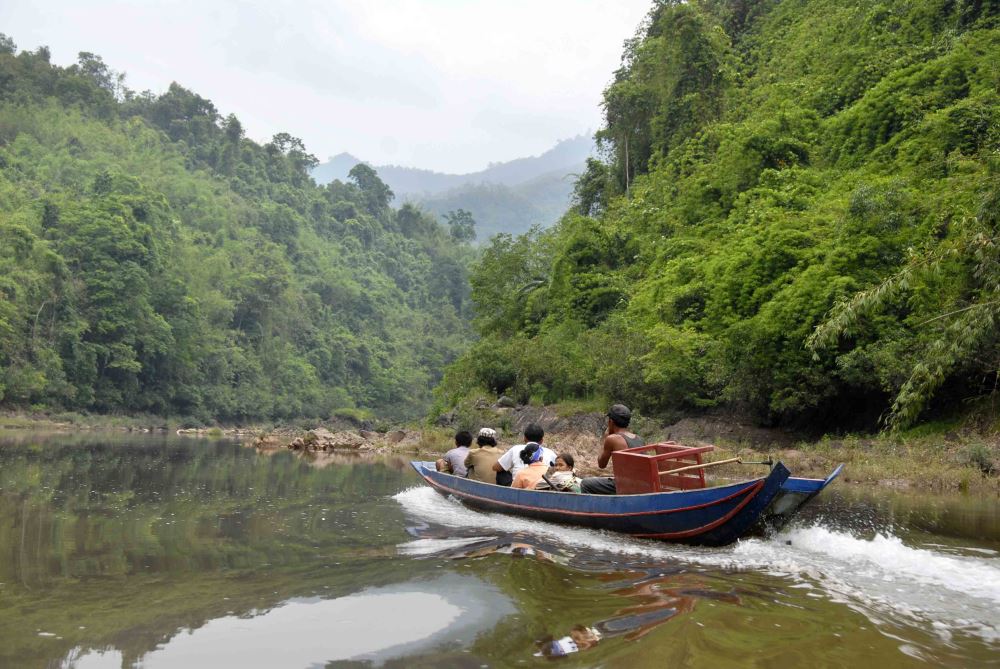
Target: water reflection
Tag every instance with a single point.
(110, 545)
(962, 520)
(802, 588)
(652, 595)
(372, 626)
(149, 551)
(657, 600)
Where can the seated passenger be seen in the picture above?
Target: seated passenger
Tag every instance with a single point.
(479, 462)
(564, 479)
(453, 461)
(616, 438)
(534, 467)
(510, 462)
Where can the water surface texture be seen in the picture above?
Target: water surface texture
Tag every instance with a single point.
(163, 552)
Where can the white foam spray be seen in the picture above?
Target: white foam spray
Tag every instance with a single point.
(881, 577)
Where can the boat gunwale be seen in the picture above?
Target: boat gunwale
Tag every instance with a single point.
(588, 494)
(751, 486)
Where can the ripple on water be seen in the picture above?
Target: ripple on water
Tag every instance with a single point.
(880, 577)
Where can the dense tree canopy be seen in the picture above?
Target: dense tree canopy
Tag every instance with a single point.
(795, 215)
(152, 258)
(769, 169)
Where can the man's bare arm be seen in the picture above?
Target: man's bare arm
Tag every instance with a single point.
(612, 443)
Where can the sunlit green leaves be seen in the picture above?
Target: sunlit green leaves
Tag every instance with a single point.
(152, 258)
(814, 154)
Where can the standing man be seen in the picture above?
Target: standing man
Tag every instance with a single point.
(510, 463)
(616, 438)
(453, 461)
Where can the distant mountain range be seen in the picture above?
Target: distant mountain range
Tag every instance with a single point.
(505, 197)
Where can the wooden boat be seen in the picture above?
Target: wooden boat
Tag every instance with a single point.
(662, 495)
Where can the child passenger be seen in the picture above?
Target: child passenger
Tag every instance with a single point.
(564, 478)
(529, 476)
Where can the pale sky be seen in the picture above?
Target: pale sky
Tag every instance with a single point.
(449, 85)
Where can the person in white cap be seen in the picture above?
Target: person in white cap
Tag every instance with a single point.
(479, 461)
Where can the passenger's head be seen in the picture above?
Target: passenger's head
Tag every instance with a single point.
(565, 462)
(534, 432)
(463, 438)
(620, 415)
(487, 437)
(531, 453)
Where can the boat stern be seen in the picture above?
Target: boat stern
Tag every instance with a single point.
(794, 494)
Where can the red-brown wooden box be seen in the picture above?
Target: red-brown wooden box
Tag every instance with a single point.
(642, 469)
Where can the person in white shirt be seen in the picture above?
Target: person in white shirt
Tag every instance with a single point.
(510, 462)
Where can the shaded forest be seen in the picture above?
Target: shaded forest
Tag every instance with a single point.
(154, 259)
(795, 217)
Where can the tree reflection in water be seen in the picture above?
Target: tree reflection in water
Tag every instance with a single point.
(657, 595)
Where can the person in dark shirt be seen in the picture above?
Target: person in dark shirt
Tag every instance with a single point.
(616, 438)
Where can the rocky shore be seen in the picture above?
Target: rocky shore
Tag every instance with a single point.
(964, 458)
(323, 440)
(579, 434)
(963, 464)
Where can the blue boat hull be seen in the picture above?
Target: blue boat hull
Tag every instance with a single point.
(794, 494)
(709, 517)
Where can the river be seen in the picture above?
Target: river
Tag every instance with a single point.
(120, 551)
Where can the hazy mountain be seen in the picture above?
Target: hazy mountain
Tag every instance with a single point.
(500, 208)
(505, 197)
(566, 155)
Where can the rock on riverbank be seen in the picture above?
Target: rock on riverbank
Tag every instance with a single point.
(321, 439)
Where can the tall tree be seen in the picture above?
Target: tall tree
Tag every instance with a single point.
(461, 225)
(377, 195)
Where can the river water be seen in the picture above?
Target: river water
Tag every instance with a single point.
(166, 552)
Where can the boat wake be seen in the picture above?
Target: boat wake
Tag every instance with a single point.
(943, 592)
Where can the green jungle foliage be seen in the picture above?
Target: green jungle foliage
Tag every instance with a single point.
(154, 259)
(796, 217)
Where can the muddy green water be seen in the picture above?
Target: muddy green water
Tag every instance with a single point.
(162, 552)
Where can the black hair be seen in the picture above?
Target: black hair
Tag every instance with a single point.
(534, 432)
(568, 459)
(528, 452)
(486, 441)
(620, 422)
(463, 438)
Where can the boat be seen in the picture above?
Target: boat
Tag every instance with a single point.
(663, 495)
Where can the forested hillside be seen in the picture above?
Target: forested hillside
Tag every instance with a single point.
(796, 218)
(154, 259)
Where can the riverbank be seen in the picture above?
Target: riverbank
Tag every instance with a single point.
(960, 455)
(952, 461)
(151, 424)
(947, 458)
(78, 422)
